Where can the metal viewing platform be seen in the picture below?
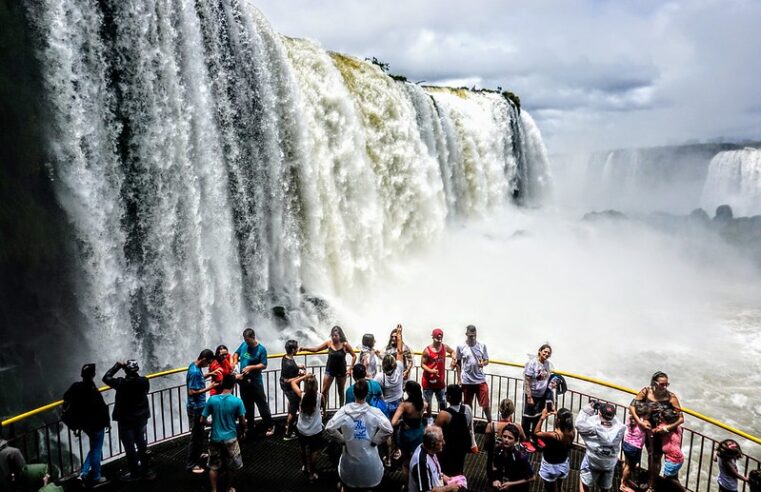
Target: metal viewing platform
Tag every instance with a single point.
(274, 464)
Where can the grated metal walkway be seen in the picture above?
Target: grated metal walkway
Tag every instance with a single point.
(272, 464)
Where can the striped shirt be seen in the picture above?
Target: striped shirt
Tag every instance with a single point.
(425, 472)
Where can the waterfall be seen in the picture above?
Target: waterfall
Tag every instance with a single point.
(734, 179)
(212, 170)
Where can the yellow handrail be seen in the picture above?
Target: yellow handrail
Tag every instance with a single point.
(580, 377)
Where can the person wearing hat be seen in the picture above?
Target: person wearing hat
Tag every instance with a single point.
(434, 371)
(471, 358)
(603, 433)
(89, 414)
(132, 412)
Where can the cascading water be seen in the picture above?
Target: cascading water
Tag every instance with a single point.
(212, 169)
(734, 179)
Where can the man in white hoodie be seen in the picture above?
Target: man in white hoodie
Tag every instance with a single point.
(602, 432)
(361, 428)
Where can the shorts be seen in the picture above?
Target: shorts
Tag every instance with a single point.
(481, 389)
(314, 442)
(551, 472)
(409, 439)
(590, 476)
(540, 402)
(391, 407)
(293, 401)
(633, 454)
(225, 455)
(671, 469)
(428, 396)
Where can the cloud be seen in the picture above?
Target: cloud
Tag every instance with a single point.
(594, 73)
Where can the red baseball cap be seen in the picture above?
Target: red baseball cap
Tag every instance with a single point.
(437, 332)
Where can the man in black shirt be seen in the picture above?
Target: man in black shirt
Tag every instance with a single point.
(132, 412)
(89, 414)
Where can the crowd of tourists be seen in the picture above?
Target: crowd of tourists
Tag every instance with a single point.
(385, 419)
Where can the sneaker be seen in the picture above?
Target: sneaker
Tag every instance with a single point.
(528, 447)
(197, 469)
(96, 483)
(290, 437)
(129, 477)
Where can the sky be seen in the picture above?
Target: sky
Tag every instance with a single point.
(594, 74)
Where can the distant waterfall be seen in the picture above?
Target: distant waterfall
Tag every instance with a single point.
(212, 169)
(734, 179)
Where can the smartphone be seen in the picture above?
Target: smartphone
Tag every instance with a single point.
(550, 406)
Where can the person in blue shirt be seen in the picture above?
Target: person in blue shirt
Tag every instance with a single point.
(196, 384)
(252, 357)
(224, 451)
(374, 389)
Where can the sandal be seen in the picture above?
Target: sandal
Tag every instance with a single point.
(396, 455)
(270, 432)
(313, 478)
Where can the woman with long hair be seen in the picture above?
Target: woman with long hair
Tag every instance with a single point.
(338, 349)
(309, 423)
(659, 399)
(536, 391)
(391, 348)
(290, 370)
(557, 446)
(408, 420)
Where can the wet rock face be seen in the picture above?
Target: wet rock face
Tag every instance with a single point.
(723, 213)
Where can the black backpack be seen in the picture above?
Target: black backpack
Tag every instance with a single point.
(71, 410)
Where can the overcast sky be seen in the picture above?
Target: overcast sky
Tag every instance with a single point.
(594, 74)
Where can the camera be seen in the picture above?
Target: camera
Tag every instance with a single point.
(596, 405)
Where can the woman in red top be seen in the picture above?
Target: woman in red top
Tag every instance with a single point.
(219, 367)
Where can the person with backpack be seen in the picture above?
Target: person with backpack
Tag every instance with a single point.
(456, 421)
(374, 391)
(84, 410)
(132, 412)
(361, 428)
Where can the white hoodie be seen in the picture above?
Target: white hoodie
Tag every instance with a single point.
(362, 428)
(603, 442)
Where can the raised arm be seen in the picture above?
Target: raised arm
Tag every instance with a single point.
(318, 348)
(538, 432)
(109, 378)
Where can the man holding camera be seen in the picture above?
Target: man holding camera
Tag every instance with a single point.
(602, 432)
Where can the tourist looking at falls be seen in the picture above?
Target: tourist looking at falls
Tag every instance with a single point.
(338, 348)
(132, 412)
(252, 357)
(361, 428)
(88, 413)
(368, 355)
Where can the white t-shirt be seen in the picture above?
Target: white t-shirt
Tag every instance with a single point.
(393, 384)
(603, 442)
(425, 472)
(539, 375)
(468, 358)
(362, 428)
(309, 425)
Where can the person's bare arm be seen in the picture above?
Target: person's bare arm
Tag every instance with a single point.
(424, 361)
(350, 350)
(318, 348)
(538, 429)
(398, 414)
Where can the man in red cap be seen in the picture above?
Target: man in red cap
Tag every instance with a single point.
(434, 371)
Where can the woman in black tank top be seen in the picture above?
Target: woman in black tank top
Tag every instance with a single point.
(557, 445)
(335, 368)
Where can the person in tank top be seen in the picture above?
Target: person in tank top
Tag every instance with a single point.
(557, 446)
(433, 364)
(338, 348)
